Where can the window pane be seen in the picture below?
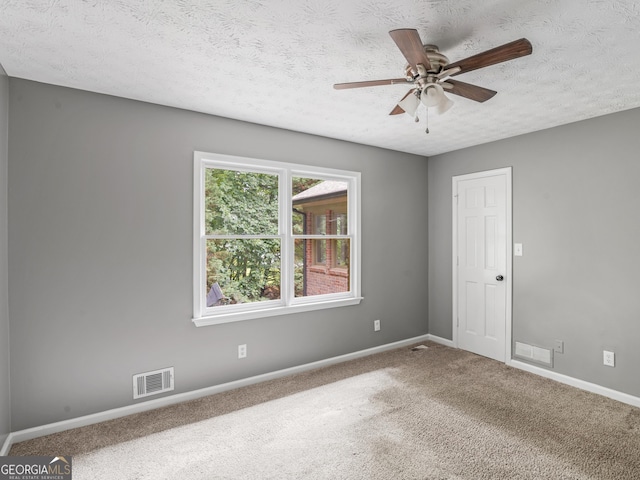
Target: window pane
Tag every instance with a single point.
(319, 225)
(341, 224)
(313, 199)
(298, 220)
(242, 271)
(240, 203)
(319, 246)
(313, 279)
(340, 251)
(320, 252)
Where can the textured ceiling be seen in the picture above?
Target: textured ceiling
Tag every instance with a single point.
(274, 62)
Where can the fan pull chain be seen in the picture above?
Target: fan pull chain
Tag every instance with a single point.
(426, 120)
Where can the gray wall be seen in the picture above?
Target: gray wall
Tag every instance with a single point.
(5, 398)
(100, 252)
(575, 210)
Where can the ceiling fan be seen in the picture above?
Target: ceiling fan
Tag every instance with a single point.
(430, 72)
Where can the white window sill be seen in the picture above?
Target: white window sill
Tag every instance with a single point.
(273, 311)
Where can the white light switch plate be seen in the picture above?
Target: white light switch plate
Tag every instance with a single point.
(517, 249)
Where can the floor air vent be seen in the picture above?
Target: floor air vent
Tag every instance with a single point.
(152, 383)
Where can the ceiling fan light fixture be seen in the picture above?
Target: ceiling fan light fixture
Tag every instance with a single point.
(410, 104)
(429, 71)
(444, 105)
(432, 95)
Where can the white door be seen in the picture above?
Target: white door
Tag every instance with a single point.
(482, 263)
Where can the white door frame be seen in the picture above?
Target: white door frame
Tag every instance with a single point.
(509, 242)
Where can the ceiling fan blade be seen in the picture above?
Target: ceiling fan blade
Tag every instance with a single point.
(371, 83)
(472, 92)
(398, 109)
(503, 53)
(409, 43)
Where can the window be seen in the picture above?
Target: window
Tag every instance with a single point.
(272, 238)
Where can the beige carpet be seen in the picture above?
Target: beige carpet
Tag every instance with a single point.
(437, 413)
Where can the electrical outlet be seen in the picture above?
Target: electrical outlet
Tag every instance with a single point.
(609, 358)
(242, 351)
(376, 325)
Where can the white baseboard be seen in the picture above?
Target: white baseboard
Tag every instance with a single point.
(575, 382)
(440, 340)
(558, 377)
(30, 433)
(6, 446)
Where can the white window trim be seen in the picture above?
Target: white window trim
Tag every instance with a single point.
(288, 303)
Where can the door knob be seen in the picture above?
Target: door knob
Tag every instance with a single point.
(499, 278)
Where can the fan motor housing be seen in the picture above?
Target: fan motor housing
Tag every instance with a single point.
(438, 60)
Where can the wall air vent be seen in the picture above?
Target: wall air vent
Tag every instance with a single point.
(152, 383)
(532, 353)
